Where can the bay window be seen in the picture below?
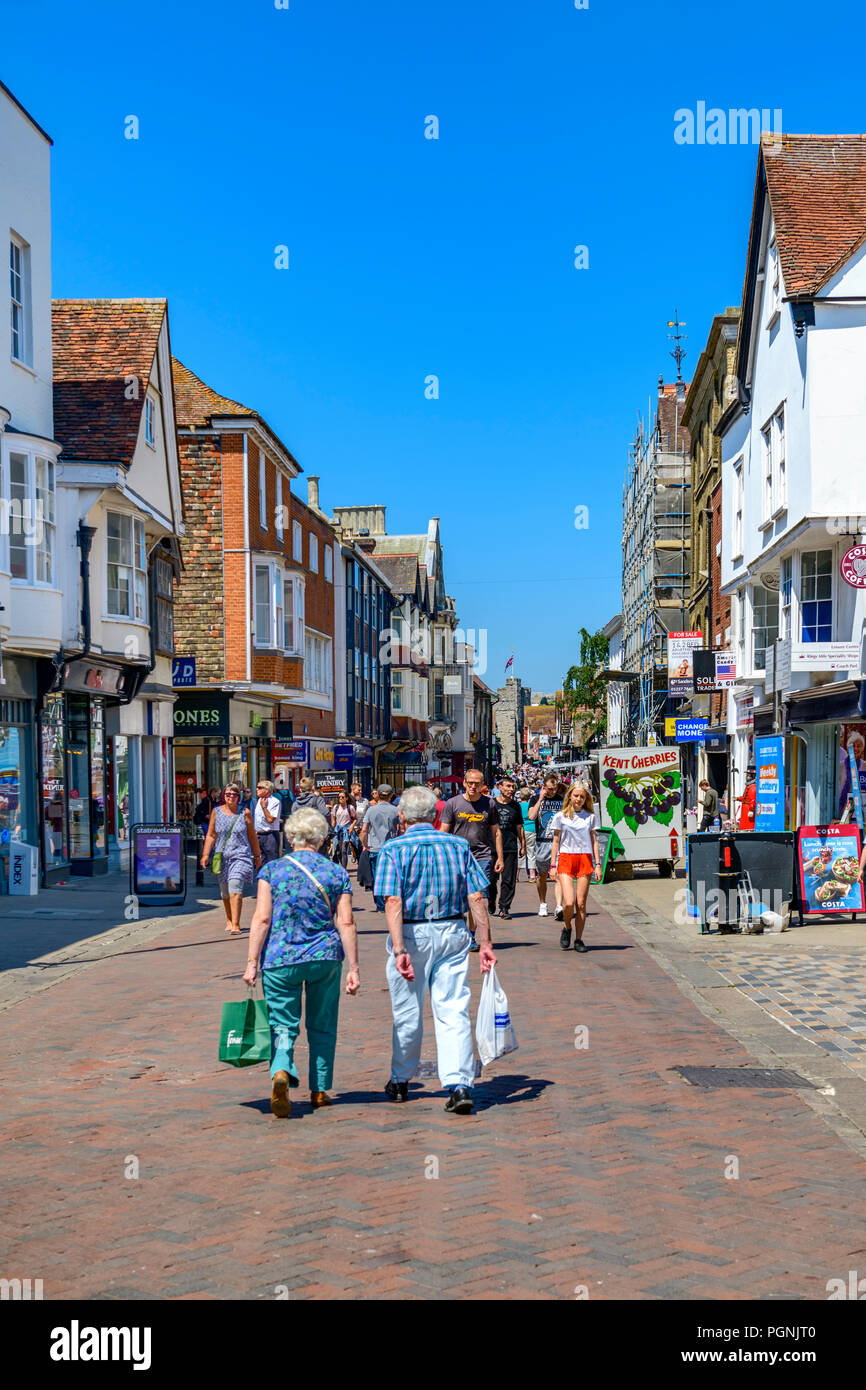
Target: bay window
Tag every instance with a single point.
(816, 596)
(765, 624)
(28, 517)
(126, 557)
(317, 663)
(279, 609)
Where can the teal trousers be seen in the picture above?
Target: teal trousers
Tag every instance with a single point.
(283, 990)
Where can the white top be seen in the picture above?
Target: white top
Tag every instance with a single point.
(574, 835)
(275, 806)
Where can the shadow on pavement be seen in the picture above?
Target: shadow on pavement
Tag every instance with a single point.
(508, 1090)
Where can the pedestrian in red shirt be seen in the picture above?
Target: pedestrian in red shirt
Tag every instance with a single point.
(748, 799)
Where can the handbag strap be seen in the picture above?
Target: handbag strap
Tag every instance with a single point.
(312, 877)
(228, 833)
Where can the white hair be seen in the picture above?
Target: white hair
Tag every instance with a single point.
(418, 804)
(306, 828)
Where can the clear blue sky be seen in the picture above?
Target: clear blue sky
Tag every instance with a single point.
(409, 256)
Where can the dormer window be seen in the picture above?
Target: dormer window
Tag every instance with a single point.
(149, 429)
(774, 283)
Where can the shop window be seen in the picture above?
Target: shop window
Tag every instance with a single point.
(163, 586)
(765, 624)
(53, 740)
(127, 567)
(816, 596)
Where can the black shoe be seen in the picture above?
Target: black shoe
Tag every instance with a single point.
(397, 1091)
(579, 946)
(474, 946)
(558, 914)
(565, 938)
(460, 1101)
(506, 916)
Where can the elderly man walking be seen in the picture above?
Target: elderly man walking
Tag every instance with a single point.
(428, 881)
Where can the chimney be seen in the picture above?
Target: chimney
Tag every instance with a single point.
(313, 491)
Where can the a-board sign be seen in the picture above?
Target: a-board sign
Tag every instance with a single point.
(828, 865)
(331, 783)
(605, 840)
(157, 864)
(640, 798)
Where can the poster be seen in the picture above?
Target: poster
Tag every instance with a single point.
(852, 740)
(828, 860)
(330, 784)
(681, 670)
(157, 862)
(770, 792)
(641, 798)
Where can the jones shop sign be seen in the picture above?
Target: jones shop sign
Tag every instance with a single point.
(204, 716)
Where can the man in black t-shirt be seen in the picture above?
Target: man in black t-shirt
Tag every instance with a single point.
(542, 808)
(475, 819)
(513, 843)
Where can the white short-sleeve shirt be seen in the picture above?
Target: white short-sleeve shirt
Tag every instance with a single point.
(275, 806)
(575, 834)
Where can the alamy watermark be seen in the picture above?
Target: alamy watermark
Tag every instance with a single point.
(740, 126)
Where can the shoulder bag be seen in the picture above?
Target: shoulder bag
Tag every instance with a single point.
(216, 862)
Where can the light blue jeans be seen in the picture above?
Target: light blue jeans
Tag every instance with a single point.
(440, 959)
(283, 989)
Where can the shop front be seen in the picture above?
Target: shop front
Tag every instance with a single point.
(823, 724)
(18, 809)
(219, 737)
(139, 771)
(78, 791)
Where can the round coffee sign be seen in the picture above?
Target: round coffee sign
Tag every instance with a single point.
(853, 567)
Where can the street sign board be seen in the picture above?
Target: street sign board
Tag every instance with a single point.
(691, 730)
(770, 794)
(182, 671)
(157, 865)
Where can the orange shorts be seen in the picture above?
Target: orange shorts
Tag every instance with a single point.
(575, 865)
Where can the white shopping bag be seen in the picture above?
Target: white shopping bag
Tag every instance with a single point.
(494, 1031)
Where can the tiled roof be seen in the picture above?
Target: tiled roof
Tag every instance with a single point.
(817, 190)
(401, 571)
(98, 345)
(195, 403)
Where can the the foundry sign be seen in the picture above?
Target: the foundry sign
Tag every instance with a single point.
(201, 716)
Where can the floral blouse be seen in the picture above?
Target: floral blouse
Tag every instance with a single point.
(302, 928)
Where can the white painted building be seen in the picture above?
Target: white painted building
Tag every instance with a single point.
(617, 691)
(30, 589)
(794, 467)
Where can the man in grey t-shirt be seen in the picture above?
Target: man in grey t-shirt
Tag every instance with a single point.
(381, 822)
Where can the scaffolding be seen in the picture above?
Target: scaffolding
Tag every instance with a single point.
(656, 543)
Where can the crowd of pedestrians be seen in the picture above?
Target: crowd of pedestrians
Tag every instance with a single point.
(439, 868)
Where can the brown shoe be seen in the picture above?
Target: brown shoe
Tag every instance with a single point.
(281, 1106)
(319, 1098)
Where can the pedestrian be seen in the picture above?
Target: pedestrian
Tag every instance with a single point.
(440, 804)
(747, 800)
(428, 881)
(523, 797)
(543, 806)
(301, 946)
(575, 859)
(710, 805)
(266, 819)
(308, 799)
(474, 817)
(513, 845)
(343, 822)
(201, 815)
(232, 834)
(381, 823)
(361, 804)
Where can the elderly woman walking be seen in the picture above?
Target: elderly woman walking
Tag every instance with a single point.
(232, 836)
(301, 948)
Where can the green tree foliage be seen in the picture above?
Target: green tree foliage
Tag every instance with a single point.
(585, 695)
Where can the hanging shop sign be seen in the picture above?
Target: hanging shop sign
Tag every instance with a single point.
(321, 753)
(202, 715)
(344, 757)
(828, 864)
(681, 674)
(290, 750)
(704, 662)
(770, 795)
(157, 865)
(90, 676)
(853, 567)
(331, 783)
(182, 671)
(670, 728)
(746, 712)
(691, 730)
(726, 670)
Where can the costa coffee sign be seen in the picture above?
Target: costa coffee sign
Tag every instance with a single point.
(853, 567)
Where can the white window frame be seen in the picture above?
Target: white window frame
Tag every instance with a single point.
(36, 516)
(297, 542)
(295, 583)
(833, 595)
(314, 553)
(317, 663)
(774, 283)
(263, 491)
(739, 499)
(766, 595)
(137, 565)
(786, 596)
(20, 304)
(329, 564)
(149, 421)
(774, 472)
(278, 509)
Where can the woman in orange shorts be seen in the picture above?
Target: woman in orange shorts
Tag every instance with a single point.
(573, 854)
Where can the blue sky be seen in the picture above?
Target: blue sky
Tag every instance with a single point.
(410, 257)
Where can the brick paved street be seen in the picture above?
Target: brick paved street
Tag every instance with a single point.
(597, 1168)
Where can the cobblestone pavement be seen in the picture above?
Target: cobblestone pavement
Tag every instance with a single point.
(819, 994)
(136, 1166)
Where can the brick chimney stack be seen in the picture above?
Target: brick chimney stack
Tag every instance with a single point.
(313, 492)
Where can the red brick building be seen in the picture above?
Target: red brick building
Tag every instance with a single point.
(255, 605)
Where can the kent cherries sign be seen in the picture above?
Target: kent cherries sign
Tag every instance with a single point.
(853, 567)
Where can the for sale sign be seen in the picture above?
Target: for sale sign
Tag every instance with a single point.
(828, 859)
(681, 670)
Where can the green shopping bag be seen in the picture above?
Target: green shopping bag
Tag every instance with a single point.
(245, 1034)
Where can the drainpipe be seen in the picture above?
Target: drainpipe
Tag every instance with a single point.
(85, 540)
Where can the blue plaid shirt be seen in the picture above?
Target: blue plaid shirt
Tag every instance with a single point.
(433, 873)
